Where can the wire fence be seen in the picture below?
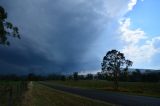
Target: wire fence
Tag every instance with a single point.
(11, 93)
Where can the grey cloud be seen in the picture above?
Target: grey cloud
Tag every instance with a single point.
(57, 35)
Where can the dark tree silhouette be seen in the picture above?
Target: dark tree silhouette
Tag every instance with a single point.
(89, 77)
(136, 75)
(113, 63)
(75, 75)
(99, 76)
(6, 28)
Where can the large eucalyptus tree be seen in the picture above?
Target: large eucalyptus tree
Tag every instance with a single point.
(113, 63)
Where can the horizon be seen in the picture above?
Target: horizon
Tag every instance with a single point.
(130, 70)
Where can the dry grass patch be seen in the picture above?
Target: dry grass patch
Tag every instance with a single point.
(45, 96)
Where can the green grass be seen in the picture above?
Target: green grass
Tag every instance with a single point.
(45, 96)
(136, 88)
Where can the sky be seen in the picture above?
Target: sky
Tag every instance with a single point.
(68, 36)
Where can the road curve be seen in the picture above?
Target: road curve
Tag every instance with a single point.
(106, 96)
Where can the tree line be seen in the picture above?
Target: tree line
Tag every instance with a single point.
(133, 76)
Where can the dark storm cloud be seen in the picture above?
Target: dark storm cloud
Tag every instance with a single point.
(56, 34)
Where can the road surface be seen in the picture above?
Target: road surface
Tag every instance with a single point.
(106, 96)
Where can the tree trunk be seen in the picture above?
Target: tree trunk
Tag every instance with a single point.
(116, 85)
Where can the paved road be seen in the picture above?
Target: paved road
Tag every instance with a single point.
(110, 97)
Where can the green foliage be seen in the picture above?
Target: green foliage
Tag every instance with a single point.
(6, 28)
(112, 64)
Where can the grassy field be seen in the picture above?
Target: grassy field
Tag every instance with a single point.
(11, 92)
(40, 95)
(137, 88)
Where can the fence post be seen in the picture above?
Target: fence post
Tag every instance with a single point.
(10, 98)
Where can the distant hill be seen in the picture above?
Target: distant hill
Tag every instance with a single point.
(144, 70)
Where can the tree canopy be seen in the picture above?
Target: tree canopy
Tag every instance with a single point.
(113, 63)
(6, 28)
